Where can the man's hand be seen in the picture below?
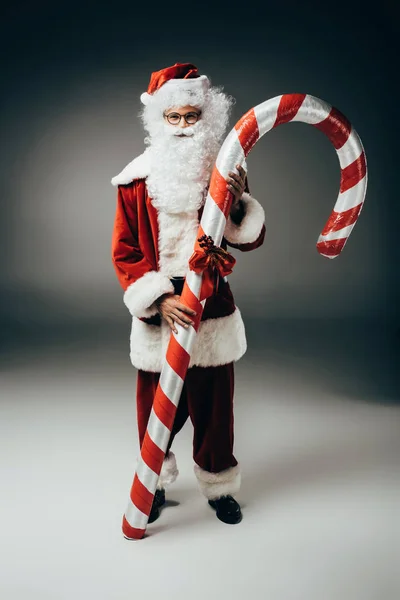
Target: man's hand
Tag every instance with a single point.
(236, 185)
(171, 309)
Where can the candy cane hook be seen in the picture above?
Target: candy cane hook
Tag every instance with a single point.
(247, 131)
(308, 109)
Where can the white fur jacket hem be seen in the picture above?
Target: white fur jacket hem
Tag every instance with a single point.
(218, 341)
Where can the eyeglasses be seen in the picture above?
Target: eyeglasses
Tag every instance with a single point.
(175, 118)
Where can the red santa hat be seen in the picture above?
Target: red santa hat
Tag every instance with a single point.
(178, 85)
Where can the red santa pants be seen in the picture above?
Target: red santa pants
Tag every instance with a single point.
(207, 398)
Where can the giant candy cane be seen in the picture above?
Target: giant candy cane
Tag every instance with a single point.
(247, 131)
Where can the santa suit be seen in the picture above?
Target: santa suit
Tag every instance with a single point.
(149, 248)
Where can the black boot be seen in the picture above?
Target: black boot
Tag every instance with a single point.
(228, 510)
(159, 500)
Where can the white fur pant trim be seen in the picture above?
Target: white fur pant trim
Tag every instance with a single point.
(169, 471)
(215, 485)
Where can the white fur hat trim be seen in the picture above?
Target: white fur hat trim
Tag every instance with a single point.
(172, 86)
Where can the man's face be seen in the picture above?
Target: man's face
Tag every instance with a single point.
(181, 117)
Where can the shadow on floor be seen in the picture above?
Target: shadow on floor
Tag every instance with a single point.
(334, 461)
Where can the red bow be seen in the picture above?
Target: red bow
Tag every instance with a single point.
(214, 261)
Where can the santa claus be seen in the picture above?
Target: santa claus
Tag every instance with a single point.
(160, 199)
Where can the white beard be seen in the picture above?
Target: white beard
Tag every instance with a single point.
(181, 167)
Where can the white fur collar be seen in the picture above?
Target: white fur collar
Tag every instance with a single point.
(138, 168)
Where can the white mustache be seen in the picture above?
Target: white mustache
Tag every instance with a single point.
(176, 131)
(188, 132)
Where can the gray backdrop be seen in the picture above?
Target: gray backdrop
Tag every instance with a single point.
(317, 392)
(72, 80)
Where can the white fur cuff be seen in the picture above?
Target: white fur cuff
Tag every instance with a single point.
(215, 485)
(139, 296)
(169, 472)
(250, 227)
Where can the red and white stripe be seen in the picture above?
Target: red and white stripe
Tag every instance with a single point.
(247, 131)
(308, 109)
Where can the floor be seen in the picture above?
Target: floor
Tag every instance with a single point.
(317, 434)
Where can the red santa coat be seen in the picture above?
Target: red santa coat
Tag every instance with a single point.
(149, 247)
